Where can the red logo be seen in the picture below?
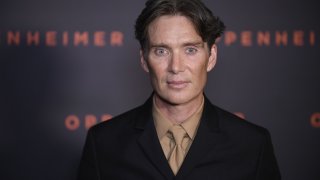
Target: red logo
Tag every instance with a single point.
(73, 122)
(315, 120)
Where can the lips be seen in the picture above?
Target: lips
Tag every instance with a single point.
(177, 84)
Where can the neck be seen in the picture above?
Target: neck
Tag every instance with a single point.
(178, 114)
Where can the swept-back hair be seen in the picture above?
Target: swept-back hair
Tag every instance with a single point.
(208, 26)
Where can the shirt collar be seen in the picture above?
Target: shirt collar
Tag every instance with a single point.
(163, 125)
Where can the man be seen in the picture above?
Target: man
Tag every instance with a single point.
(178, 133)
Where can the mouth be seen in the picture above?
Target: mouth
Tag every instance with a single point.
(177, 84)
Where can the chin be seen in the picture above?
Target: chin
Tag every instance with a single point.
(176, 98)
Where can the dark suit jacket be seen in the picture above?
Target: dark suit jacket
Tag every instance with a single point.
(225, 148)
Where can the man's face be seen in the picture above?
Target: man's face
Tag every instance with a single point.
(178, 60)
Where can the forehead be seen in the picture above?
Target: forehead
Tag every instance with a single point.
(172, 29)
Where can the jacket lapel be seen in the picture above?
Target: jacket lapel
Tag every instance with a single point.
(149, 141)
(208, 136)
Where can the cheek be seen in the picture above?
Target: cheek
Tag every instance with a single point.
(198, 69)
(200, 75)
(156, 72)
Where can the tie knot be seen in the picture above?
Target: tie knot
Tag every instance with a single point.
(178, 133)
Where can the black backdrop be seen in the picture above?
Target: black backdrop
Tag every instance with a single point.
(65, 65)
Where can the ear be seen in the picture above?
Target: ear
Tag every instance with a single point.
(143, 61)
(212, 58)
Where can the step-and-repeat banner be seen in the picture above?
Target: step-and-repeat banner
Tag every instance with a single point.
(67, 65)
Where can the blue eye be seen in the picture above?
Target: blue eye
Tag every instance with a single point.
(161, 52)
(191, 50)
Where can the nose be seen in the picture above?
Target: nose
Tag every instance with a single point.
(176, 63)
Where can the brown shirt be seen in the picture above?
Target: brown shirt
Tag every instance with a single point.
(163, 125)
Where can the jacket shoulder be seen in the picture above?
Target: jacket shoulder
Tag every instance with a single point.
(238, 127)
(118, 123)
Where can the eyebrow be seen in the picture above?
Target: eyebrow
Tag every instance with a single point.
(196, 43)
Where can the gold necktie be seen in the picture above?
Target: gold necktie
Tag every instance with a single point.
(178, 153)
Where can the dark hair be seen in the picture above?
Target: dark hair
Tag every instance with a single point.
(208, 26)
